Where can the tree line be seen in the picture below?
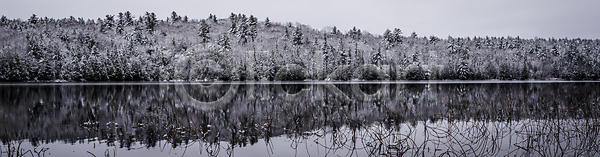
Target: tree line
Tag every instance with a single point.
(125, 47)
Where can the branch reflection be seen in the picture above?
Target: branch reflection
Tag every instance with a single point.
(548, 119)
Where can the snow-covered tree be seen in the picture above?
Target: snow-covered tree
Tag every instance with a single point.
(174, 17)
(204, 31)
(297, 36)
(354, 33)
(267, 22)
(150, 21)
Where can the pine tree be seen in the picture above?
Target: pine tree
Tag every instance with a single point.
(388, 39)
(252, 23)
(376, 57)
(397, 35)
(242, 32)
(224, 41)
(174, 17)
(33, 19)
(413, 34)
(326, 54)
(335, 30)
(286, 33)
(150, 21)
(232, 17)
(120, 27)
(297, 39)
(354, 33)
(128, 18)
(102, 25)
(212, 18)
(3, 20)
(203, 31)
(109, 21)
(233, 28)
(267, 22)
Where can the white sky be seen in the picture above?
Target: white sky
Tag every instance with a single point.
(458, 18)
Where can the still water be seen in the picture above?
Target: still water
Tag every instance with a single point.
(301, 119)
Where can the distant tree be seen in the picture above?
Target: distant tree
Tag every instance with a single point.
(252, 24)
(286, 33)
(413, 34)
(252, 21)
(243, 32)
(335, 30)
(252, 32)
(391, 38)
(33, 19)
(376, 57)
(242, 17)
(109, 21)
(343, 57)
(354, 33)
(120, 23)
(120, 28)
(232, 17)
(267, 22)
(102, 25)
(128, 18)
(121, 17)
(185, 18)
(433, 39)
(212, 18)
(224, 41)
(397, 35)
(175, 17)
(233, 28)
(150, 21)
(203, 31)
(326, 54)
(388, 39)
(3, 20)
(297, 39)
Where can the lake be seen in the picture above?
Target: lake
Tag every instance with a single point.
(471, 118)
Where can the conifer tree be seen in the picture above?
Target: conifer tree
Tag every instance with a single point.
(354, 33)
(128, 18)
(376, 57)
(267, 22)
(297, 39)
(174, 17)
(212, 18)
(150, 21)
(109, 21)
(120, 24)
(224, 41)
(397, 35)
(233, 28)
(3, 20)
(413, 34)
(335, 30)
(33, 19)
(232, 17)
(388, 39)
(203, 31)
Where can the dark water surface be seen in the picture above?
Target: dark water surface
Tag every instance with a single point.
(301, 119)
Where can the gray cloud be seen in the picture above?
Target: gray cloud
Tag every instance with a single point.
(528, 19)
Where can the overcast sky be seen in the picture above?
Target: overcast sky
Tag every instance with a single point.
(458, 18)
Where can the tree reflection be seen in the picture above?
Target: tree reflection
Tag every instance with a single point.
(547, 119)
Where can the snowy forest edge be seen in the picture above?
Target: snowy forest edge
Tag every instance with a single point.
(125, 47)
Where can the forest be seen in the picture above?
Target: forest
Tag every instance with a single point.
(126, 47)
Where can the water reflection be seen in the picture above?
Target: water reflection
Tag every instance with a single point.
(479, 119)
